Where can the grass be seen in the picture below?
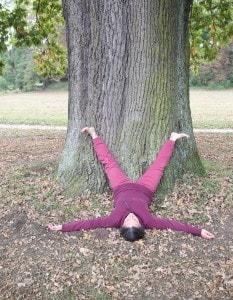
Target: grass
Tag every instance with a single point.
(211, 166)
(37, 108)
(210, 109)
(61, 85)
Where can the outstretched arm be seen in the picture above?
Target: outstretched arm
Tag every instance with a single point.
(110, 221)
(161, 223)
(104, 222)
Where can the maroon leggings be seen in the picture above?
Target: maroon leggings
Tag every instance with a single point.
(116, 176)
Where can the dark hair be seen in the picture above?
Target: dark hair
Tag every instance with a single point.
(132, 234)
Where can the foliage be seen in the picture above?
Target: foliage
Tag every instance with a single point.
(51, 60)
(19, 73)
(35, 23)
(211, 28)
(218, 74)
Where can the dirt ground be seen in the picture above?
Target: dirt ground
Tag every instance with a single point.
(38, 264)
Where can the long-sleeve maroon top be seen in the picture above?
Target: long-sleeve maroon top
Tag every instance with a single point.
(131, 198)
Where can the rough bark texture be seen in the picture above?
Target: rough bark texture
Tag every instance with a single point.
(128, 77)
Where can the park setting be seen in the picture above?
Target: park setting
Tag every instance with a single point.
(133, 71)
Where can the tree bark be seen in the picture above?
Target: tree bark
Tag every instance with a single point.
(128, 77)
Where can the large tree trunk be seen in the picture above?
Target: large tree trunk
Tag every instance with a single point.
(128, 77)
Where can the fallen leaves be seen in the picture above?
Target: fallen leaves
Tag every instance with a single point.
(36, 263)
(84, 251)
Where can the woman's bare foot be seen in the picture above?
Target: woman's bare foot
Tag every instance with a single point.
(91, 131)
(175, 136)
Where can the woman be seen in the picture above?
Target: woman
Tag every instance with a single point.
(132, 199)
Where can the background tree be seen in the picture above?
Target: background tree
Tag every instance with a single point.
(128, 76)
(40, 23)
(128, 68)
(19, 70)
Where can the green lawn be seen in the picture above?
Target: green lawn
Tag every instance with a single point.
(40, 108)
(210, 109)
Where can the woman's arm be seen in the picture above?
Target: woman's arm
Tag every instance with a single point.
(110, 221)
(82, 225)
(204, 233)
(160, 223)
(104, 222)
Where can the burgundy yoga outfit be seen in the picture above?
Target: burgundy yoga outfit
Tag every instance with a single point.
(132, 197)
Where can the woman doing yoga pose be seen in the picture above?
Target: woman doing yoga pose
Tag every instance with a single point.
(132, 199)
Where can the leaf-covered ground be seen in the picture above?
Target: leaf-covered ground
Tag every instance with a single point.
(38, 264)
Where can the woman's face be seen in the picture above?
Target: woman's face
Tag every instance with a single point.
(131, 221)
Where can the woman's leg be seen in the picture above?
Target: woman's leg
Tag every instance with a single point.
(114, 173)
(153, 175)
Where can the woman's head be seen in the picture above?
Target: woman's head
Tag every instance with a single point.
(132, 229)
(132, 234)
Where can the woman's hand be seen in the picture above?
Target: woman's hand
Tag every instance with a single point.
(206, 234)
(55, 227)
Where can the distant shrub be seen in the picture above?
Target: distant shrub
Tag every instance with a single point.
(3, 84)
(217, 75)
